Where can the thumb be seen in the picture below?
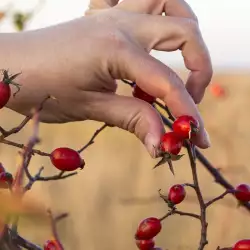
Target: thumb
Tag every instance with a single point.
(128, 113)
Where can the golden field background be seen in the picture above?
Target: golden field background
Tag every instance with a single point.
(118, 187)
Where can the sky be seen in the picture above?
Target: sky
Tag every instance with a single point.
(225, 25)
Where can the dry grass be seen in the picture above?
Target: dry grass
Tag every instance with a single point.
(118, 187)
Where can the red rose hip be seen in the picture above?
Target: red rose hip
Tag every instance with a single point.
(242, 192)
(145, 244)
(52, 245)
(5, 90)
(171, 143)
(242, 245)
(176, 194)
(148, 229)
(2, 169)
(185, 126)
(140, 94)
(6, 180)
(4, 94)
(66, 159)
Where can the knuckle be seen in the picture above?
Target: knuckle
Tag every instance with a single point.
(117, 39)
(190, 28)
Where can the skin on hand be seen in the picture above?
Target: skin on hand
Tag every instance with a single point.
(79, 61)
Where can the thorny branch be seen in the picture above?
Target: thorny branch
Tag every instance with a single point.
(54, 229)
(91, 141)
(196, 187)
(6, 133)
(218, 177)
(10, 238)
(204, 224)
(28, 150)
(194, 153)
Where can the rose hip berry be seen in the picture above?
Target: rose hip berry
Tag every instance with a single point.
(5, 90)
(52, 245)
(242, 192)
(242, 245)
(145, 244)
(140, 94)
(2, 169)
(148, 229)
(176, 194)
(185, 126)
(217, 90)
(171, 143)
(6, 180)
(66, 159)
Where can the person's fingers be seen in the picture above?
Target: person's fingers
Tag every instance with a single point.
(99, 4)
(200, 66)
(177, 8)
(128, 113)
(160, 81)
(171, 33)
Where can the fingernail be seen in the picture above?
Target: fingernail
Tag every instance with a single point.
(151, 144)
(207, 138)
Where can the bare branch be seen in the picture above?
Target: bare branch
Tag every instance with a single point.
(91, 141)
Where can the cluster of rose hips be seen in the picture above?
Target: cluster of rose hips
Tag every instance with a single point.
(184, 128)
(150, 227)
(67, 159)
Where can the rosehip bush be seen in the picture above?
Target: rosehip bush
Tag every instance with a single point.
(68, 161)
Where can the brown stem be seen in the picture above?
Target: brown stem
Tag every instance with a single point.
(219, 178)
(22, 146)
(91, 141)
(204, 224)
(172, 212)
(6, 133)
(218, 197)
(54, 229)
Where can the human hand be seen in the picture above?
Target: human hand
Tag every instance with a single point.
(78, 62)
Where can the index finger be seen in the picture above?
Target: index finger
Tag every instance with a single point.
(196, 58)
(196, 55)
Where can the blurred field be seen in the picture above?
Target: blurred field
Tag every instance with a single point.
(118, 187)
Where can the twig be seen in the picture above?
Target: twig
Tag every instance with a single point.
(132, 84)
(54, 230)
(218, 197)
(61, 217)
(91, 141)
(22, 146)
(219, 178)
(17, 186)
(204, 224)
(20, 241)
(174, 211)
(38, 177)
(6, 133)
(189, 185)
